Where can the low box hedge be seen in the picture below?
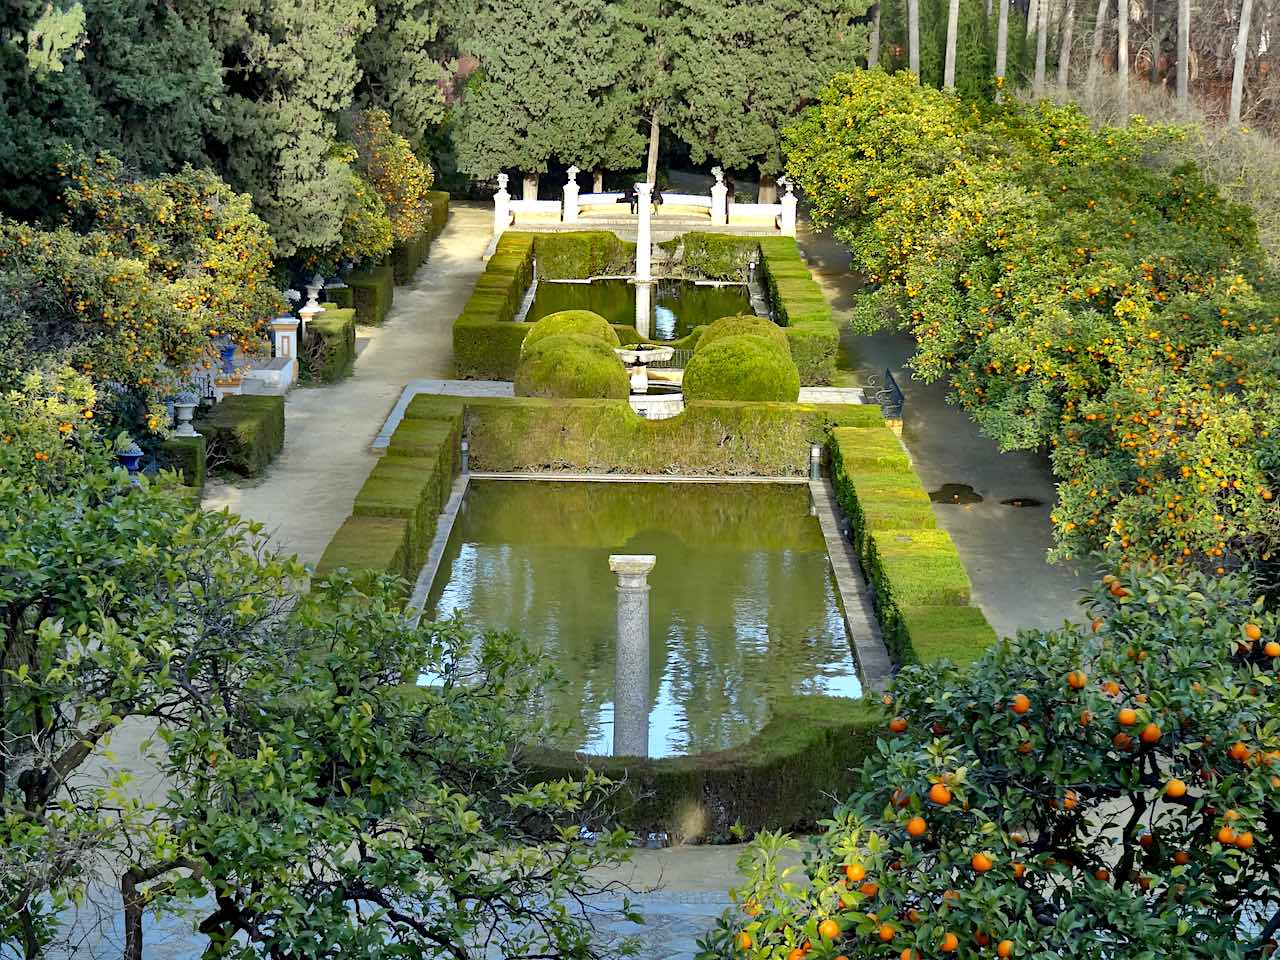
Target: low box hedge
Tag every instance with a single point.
(408, 255)
(800, 305)
(187, 456)
(243, 433)
(370, 544)
(782, 779)
(369, 291)
(439, 211)
(329, 345)
(920, 586)
(582, 254)
(486, 343)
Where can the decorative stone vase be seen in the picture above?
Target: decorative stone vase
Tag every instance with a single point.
(131, 459)
(228, 354)
(183, 411)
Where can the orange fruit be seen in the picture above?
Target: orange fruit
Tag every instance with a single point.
(913, 915)
(1102, 874)
(1024, 747)
(981, 862)
(1020, 704)
(898, 725)
(1086, 717)
(1019, 870)
(1077, 680)
(1175, 788)
(796, 954)
(856, 872)
(1150, 734)
(1244, 840)
(751, 908)
(949, 943)
(1238, 752)
(828, 929)
(1182, 858)
(1272, 649)
(1253, 631)
(744, 941)
(886, 932)
(1127, 717)
(869, 889)
(1122, 741)
(939, 794)
(916, 827)
(1004, 949)
(908, 954)
(1118, 591)
(981, 939)
(1226, 836)
(1070, 799)
(1111, 687)
(1097, 624)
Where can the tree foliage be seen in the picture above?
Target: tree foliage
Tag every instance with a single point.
(400, 178)
(1078, 294)
(1103, 791)
(406, 66)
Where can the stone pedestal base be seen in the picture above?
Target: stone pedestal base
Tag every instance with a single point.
(644, 308)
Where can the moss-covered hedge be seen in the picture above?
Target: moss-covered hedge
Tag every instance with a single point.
(716, 256)
(744, 324)
(369, 291)
(800, 305)
(187, 456)
(582, 254)
(920, 584)
(783, 778)
(571, 321)
(439, 211)
(393, 518)
(329, 345)
(572, 365)
(712, 438)
(486, 343)
(243, 434)
(742, 367)
(409, 255)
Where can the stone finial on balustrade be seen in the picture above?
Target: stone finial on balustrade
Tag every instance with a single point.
(570, 208)
(501, 206)
(787, 220)
(719, 198)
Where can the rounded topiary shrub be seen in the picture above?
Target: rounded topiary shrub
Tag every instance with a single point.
(741, 368)
(570, 321)
(743, 325)
(572, 365)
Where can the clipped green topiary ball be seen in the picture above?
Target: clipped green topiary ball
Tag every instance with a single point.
(572, 365)
(570, 321)
(741, 368)
(744, 325)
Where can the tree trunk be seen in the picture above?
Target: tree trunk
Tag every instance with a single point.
(768, 192)
(1064, 51)
(1184, 51)
(530, 186)
(1237, 75)
(1099, 36)
(1033, 17)
(953, 27)
(873, 49)
(651, 168)
(1042, 48)
(1002, 48)
(1122, 58)
(597, 181)
(913, 36)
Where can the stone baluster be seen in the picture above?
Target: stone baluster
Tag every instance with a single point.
(787, 221)
(501, 206)
(570, 210)
(719, 199)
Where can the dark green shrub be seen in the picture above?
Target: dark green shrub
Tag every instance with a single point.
(187, 456)
(582, 254)
(570, 321)
(741, 368)
(572, 365)
(243, 434)
(439, 211)
(329, 345)
(716, 256)
(743, 325)
(408, 255)
(486, 344)
(800, 305)
(372, 290)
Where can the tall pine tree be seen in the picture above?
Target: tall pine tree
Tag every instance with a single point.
(406, 65)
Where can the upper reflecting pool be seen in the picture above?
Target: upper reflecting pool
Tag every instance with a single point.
(679, 306)
(743, 604)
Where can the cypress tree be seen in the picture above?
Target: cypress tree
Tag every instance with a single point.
(405, 66)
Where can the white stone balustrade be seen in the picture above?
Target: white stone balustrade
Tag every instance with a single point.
(570, 211)
(719, 199)
(501, 206)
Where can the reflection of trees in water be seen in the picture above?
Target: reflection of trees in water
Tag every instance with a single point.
(730, 626)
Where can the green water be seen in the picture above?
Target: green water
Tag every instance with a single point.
(679, 307)
(743, 604)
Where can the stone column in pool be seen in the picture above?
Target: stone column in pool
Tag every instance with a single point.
(631, 671)
(644, 261)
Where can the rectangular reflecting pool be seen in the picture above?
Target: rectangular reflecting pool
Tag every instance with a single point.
(679, 305)
(743, 605)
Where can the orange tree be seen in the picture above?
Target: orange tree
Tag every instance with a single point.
(1080, 291)
(401, 179)
(1104, 791)
(140, 280)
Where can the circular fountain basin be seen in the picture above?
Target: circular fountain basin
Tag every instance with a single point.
(644, 353)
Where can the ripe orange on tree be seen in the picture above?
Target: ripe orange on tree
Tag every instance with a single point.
(1244, 840)
(1182, 858)
(981, 862)
(828, 929)
(856, 872)
(1226, 836)
(1150, 734)
(886, 932)
(950, 942)
(1004, 949)
(1272, 649)
(1127, 717)
(869, 889)
(916, 827)
(1239, 752)
(1253, 631)
(939, 794)
(898, 725)
(1020, 704)
(1175, 788)
(1077, 680)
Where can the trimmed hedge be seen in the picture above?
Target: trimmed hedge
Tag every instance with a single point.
(393, 518)
(572, 365)
(486, 343)
(439, 211)
(800, 305)
(741, 325)
(369, 291)
(186, 455)
(582, 254)
(782, 779)
(329, 347)
(713, 438)
(741, 368)
(920, 585)
(716, 256)
(243, 433)
(571, 321)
